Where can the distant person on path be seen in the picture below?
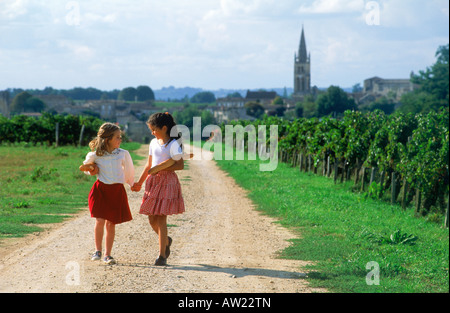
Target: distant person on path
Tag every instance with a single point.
(108, 201)
(162, 195)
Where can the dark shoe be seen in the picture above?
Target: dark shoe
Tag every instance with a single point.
(161, 261)
(109, 260)
(168, 247)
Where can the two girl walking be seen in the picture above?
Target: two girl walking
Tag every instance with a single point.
(108, 202)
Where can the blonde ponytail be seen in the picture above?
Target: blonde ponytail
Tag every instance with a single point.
(105, 133)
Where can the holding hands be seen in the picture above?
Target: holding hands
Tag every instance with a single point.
(136, 187)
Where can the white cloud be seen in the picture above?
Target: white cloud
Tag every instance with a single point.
(333, 6)
(213, 43)
(413, 14)
(212, 31)
(108, 18)
(237, 7)
(10, 9)
(259, 9)
(80, 51)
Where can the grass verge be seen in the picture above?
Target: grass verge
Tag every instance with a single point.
(349, 236)
(42, 185)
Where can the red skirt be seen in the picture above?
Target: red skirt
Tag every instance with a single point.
(109, 202)
(162, 195)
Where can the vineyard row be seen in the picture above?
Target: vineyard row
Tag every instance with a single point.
(407, 154)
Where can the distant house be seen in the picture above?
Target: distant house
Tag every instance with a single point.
(129, 115)
(230, 102)
(262, 97)
(55, 102)
(224, 114)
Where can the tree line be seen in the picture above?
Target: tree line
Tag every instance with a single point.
(71, 129)
(140, 93)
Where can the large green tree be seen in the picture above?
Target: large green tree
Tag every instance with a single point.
(128, 94)
(433, 91)
(203, 97)
(145, 93)
(25, 102)
(254, 109)
(335, 100)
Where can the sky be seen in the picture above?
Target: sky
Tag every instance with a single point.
(214, 44)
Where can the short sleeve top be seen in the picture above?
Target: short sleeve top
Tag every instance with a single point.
(114, 168)
(161, 153)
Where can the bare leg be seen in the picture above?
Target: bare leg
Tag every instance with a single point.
(98, 233)
(152, 219)
(159, 225)
(110, 234)
(163, 241)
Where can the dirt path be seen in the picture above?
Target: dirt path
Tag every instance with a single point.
(221, 244)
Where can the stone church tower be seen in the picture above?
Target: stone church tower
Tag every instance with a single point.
(302, 70)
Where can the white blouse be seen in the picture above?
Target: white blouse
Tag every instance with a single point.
(161, 153)
(114, 168)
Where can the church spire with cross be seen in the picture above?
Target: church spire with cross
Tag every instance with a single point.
(302, 69)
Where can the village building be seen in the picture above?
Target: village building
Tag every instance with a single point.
(226, 114)
(230, 102)
(229, 109)
(377, 87)
(131, 116)
(262, 97)
(55, 102)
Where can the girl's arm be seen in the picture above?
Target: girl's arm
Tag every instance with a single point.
(137, 185)
(148, 170)
(178, 166)
(128, 168)
(161, 166)
(89, 167)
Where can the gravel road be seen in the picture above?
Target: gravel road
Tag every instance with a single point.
(220, 245)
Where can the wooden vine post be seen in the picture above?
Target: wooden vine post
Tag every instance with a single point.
(405, 189)
(418, 199)
(57, 134)
(363, 178)
(81, 135)
(393, 188)
(446, 216)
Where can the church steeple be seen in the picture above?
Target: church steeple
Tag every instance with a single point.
(302, 53)
(302, 69)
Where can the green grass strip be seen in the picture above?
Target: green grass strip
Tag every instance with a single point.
(348, 236)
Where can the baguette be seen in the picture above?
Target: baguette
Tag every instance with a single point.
(87, 167)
